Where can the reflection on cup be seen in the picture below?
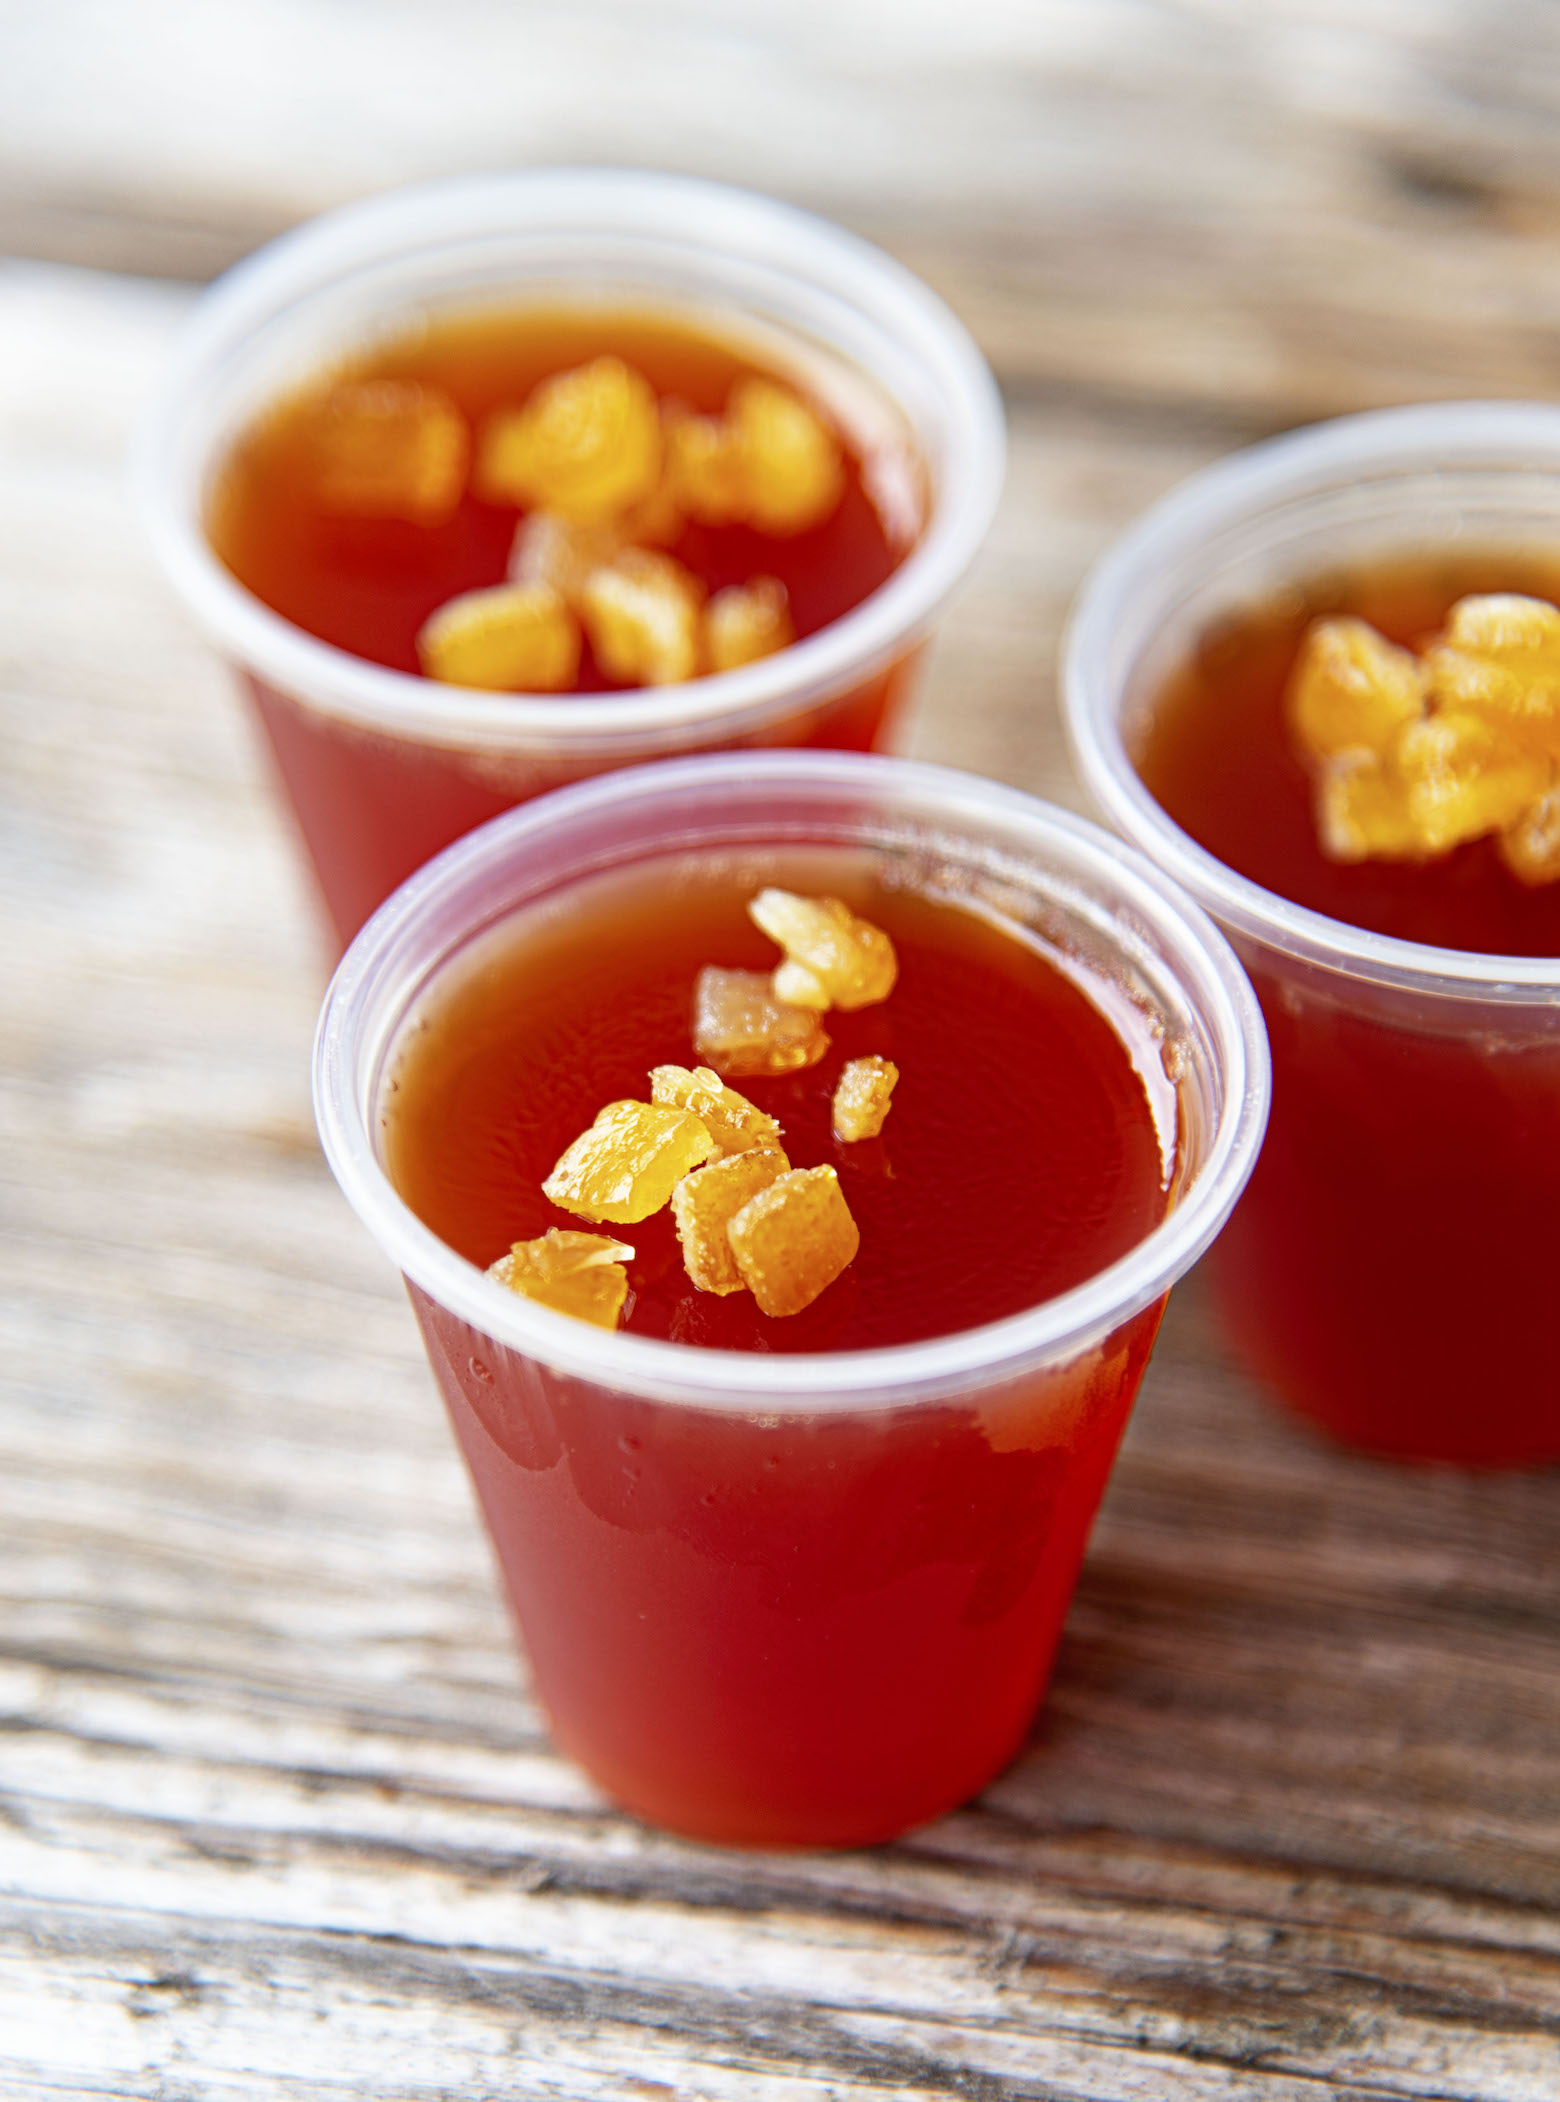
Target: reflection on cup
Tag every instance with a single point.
(776, 1589)
(381, 766)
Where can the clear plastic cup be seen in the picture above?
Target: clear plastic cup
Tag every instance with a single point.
(801, 1599)
(1389, 1270)
(381, 768)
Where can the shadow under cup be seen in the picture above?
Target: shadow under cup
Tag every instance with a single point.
(1390, 1268)
(382, 769)
(789, 1599)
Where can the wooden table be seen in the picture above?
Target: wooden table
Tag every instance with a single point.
(276, 1814)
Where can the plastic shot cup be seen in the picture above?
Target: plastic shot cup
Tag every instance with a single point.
(382, 768)
(1389, 1271)
(788, 1599)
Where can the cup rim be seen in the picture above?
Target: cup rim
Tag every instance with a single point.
(755, 239)
(1420, 437)
(1057, 1330)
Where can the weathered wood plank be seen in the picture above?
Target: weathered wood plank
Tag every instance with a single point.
(1260, 215)
(222, 1713)
(276, 1811)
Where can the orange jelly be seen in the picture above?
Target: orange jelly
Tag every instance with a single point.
(1390, 1266)
(789, 1629)
(1219, 756)
(1003, 1176)
(298, 514)
(367, 583)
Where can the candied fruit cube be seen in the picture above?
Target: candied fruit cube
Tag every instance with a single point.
(510, 638)
(1362, 812)
(792, 473)
(1464, 779)
(628, 1163)
(655, 520)
(573, 1273)
(703, 466)
(586, 444)
(861, 1097)
(1505, 624)
(559, 552)
(704, 1204)
(641, 612)
(735, 1124)
(389, 449)
(833, 957)
(740, 1027)
(792, 1240)
(745, 622)
(1500, 658)
(799, 987)
(1351, 690)
(1530, 848)
(1481, 761)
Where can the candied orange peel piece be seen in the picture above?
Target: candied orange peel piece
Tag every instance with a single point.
(585, 445)
(771, 461)
(1500, 658)
(747, 622)
(1464, 779)
(388, 449)
(1530, 848)
(580, 1274)
(1447, 779)
(740, 1027)
(793, 1239)
(703, 466)
(833, 957)
(861, 1097)
(509, 638)
(560, 552)
(792, 471)
(1351, 690)
(735, 1124)
(704, 1204)
(628, 1163)
(641, 611)
(1413, 757)
(1362, 813)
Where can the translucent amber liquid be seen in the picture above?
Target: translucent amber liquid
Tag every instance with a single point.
(790, 1629)
(1020, 1155)
(368, 584)
(373, 807)
(1390, 1267)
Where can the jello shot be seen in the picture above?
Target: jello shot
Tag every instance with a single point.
(490, 485)
(1319, 685)
(788, 1156)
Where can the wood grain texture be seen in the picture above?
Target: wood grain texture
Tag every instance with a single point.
(277, 1816)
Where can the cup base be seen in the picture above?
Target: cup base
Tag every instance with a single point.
(764, 1631)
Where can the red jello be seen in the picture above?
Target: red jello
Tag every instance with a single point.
(366, 584)
(731, 1614)
(374, 804)
(783, 362)
(1005, 1173)
(1390, 1267)
(1217, 753)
